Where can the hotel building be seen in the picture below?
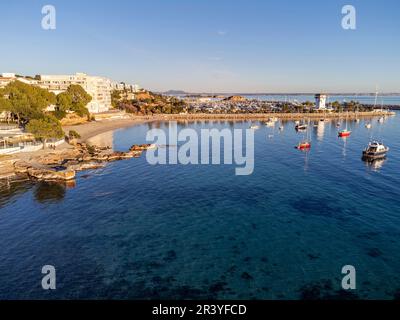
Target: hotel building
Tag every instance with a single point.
(98, 88)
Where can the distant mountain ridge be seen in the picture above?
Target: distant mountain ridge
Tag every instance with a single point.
(175, 92)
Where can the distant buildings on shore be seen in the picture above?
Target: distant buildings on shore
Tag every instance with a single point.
(320, 101)
(99, 88)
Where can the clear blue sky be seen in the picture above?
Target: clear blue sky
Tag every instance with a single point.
(209, 45)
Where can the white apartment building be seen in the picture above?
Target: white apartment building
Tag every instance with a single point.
(98, 88)
(6, 78)
(121, 86)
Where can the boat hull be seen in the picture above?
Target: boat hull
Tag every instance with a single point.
(374, 155)
(304, 146)
(344, 134)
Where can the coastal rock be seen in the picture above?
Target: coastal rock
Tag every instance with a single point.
(86, 166)
(100, 157)
(45, 174)
(119, 156)
(140, 147)
(7, 168)
(136, 154)
(87, 158)
(51, 159)
(82, 157)
(70, 162)
(21, 167)
(57, 158)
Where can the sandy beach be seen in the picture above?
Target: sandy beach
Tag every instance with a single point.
(92, 129)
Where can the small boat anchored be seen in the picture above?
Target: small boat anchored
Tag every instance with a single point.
(375, 150)
(254, 127)
(304, 145)
(344, 133)
(300, 127)
(368, 126)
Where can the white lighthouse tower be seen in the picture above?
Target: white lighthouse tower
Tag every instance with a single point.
(320, 101)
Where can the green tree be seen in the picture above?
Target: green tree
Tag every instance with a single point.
(64, 101)
(115, 98)
(46, 128)
(74, 99)
(27, 102)
(5, 104)
(336, 105)
(72, 134)
(79, 95)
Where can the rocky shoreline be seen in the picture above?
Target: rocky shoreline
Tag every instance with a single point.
(64, 166)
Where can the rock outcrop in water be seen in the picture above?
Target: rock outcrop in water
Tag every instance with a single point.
(43, 173)
(63, 166)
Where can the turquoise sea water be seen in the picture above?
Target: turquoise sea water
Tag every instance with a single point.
(135, 231)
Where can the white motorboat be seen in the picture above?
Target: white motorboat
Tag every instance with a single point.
(375, 150)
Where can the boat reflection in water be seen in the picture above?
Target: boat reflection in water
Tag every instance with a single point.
(375, 165)
(320, 130)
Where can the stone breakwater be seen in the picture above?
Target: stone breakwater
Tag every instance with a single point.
(63, 166)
